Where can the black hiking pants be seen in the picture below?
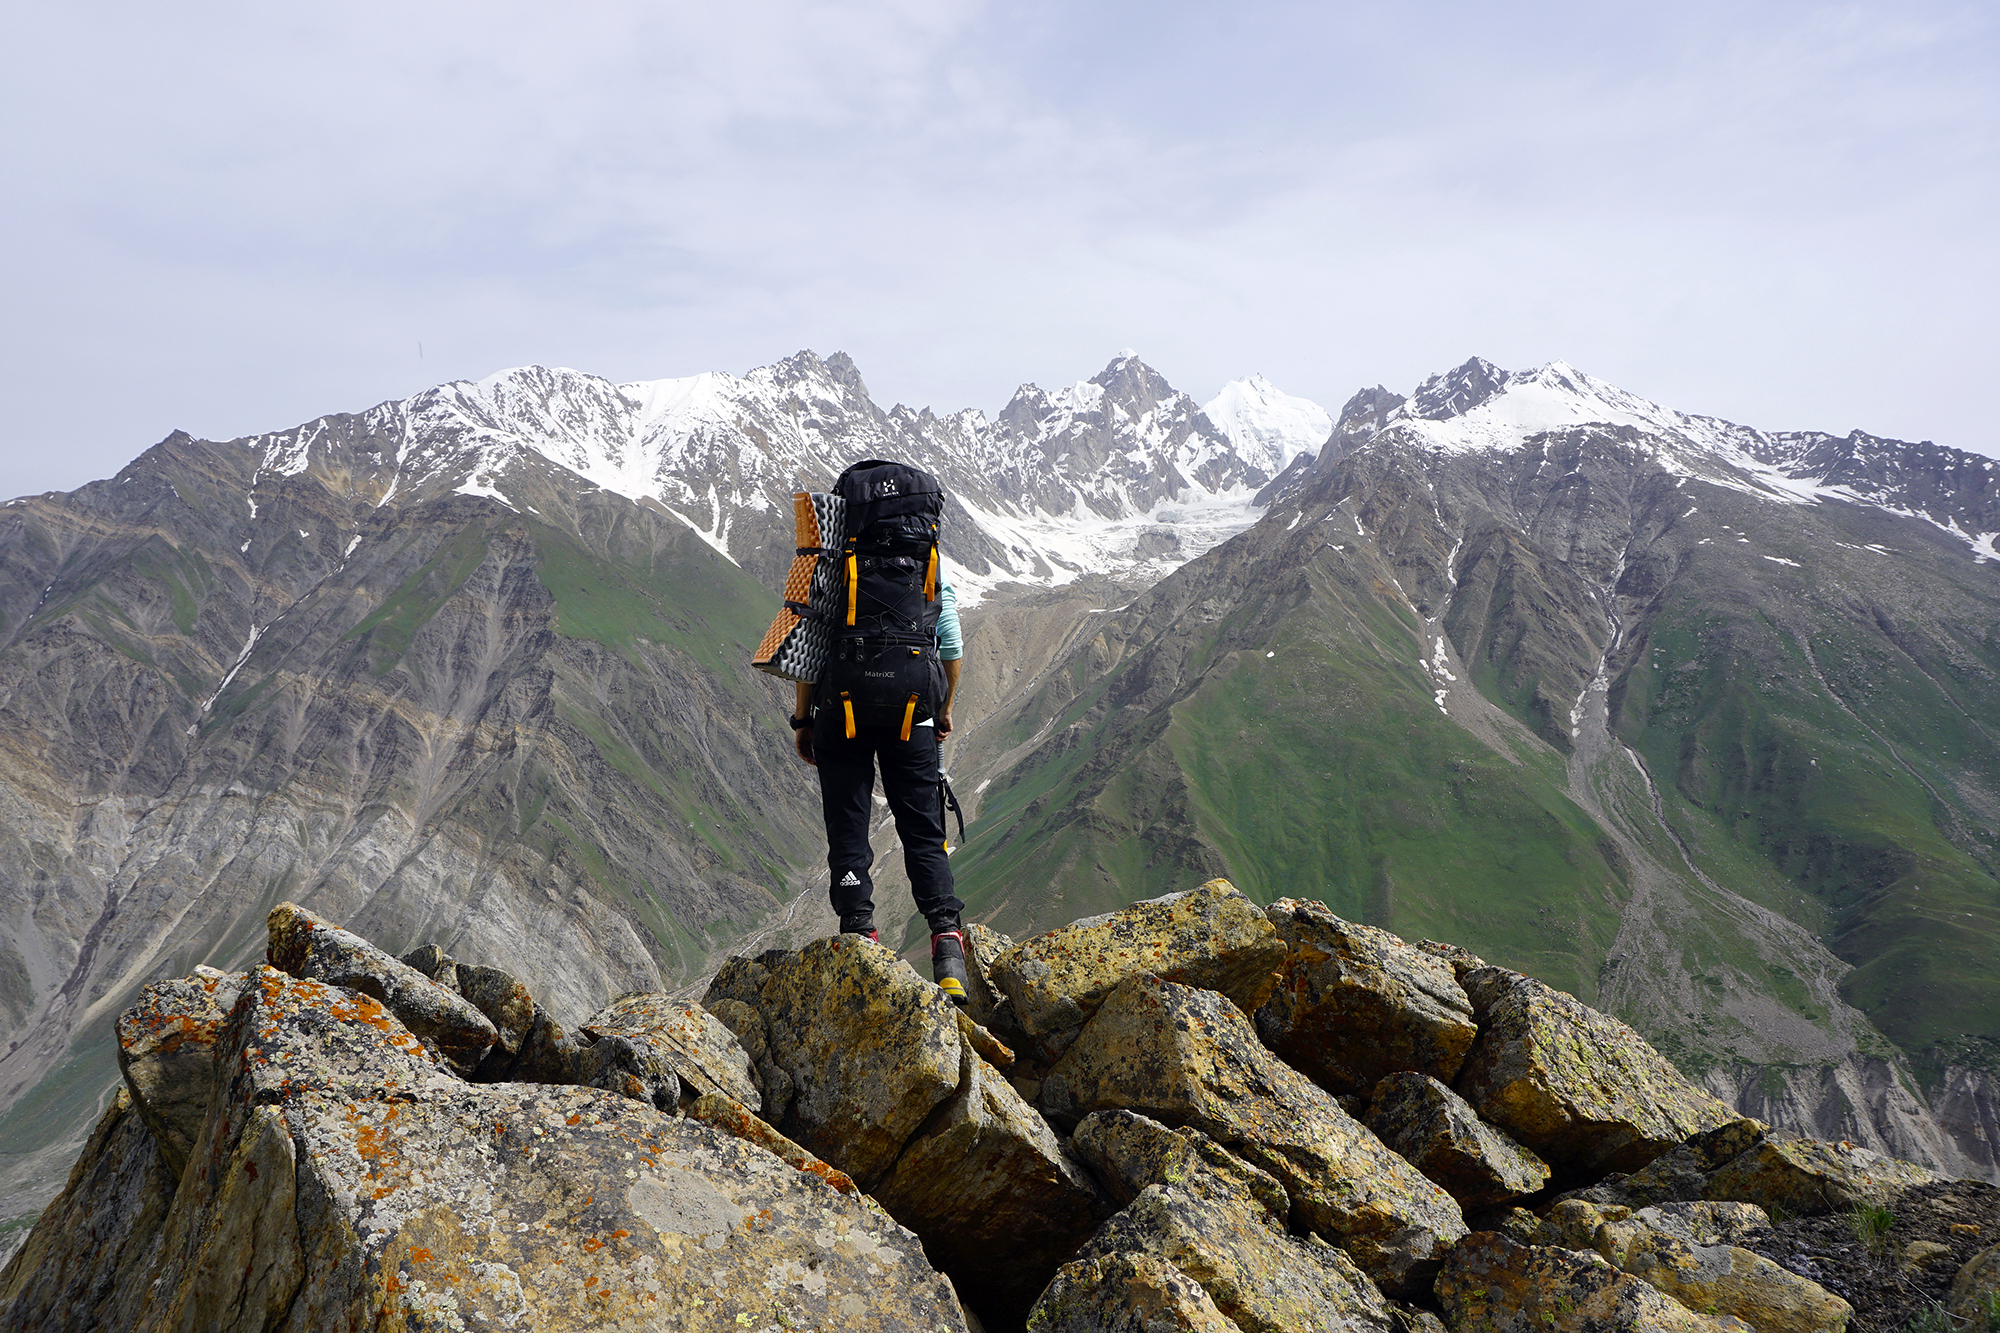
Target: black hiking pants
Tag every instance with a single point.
(910, 781)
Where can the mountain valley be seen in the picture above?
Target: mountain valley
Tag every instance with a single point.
(1698, 722)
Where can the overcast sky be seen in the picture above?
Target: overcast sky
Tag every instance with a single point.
(228, 218)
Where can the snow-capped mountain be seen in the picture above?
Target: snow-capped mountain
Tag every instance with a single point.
(1700, 718)
(1120, 474)
(1551, 666)
(1269, 428)
(1479, 408)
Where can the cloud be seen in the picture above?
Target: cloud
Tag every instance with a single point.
(237, 217)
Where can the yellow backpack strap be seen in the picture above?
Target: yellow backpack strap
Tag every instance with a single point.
(930, 577)
(853, 584)
(847, 707)
(909, 716)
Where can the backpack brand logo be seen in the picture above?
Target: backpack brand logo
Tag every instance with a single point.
(888, 487)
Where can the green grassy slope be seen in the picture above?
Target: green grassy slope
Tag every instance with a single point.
(1839, 754)
(1323, 770)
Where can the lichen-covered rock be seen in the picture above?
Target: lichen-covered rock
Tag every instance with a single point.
(547, 1055)
(999, 1204)
(1459, 958)
(990, 1048)
(1680, 1175)
(697, 1046)
(870, 1048)
(166, 1051)
(1186, 1056)
(1355, 1003)
(1212, 937)
(733, 1117)
(1125, 1293)
(1492, 1285)
(354, 1183)
(1264, 1280)
(1573, 1223)
(506, 1002)
(1129, 1151)
(434, 963)
(1514, 1222)
(983, 944)
(1705, 1223)
(888, 1085)
(1724, 1280)
(747, 1025)
(1976, 1289)
(1580, 1088)
(310, 947)
(621, 1065)
(1434, 1130)
(90, 1259)
(1811, 1176)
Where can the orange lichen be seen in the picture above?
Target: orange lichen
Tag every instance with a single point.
(419, 1255)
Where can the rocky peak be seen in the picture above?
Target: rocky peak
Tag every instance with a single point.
(403, 1140)
(1361, 420)
(1134, 385)
(1456, 392)
(840, 366)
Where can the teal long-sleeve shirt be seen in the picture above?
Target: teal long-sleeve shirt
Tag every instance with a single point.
(950, 647)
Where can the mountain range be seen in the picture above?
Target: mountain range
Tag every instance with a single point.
(1694, 720)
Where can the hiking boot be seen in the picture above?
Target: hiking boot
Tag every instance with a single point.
(948, 964)
(862, 926)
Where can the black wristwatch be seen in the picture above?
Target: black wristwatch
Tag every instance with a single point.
(801, 723)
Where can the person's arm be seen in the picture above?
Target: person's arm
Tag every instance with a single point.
(950, 649)
(802, 737)
(950, 688)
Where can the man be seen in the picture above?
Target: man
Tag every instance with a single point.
(910, 768)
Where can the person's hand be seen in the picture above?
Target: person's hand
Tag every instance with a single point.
(802, 739)
(944, 721)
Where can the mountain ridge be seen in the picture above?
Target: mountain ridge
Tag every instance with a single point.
(431, 659)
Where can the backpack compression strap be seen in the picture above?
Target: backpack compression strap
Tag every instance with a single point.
(930, 577)
(847, 707)
(909, 717)
(853, 584)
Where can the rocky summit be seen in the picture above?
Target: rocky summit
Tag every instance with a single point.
(1154, 1119)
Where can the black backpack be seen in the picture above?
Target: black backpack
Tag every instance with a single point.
(882, 667)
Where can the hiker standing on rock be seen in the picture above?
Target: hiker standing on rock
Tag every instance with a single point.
(884, 695)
